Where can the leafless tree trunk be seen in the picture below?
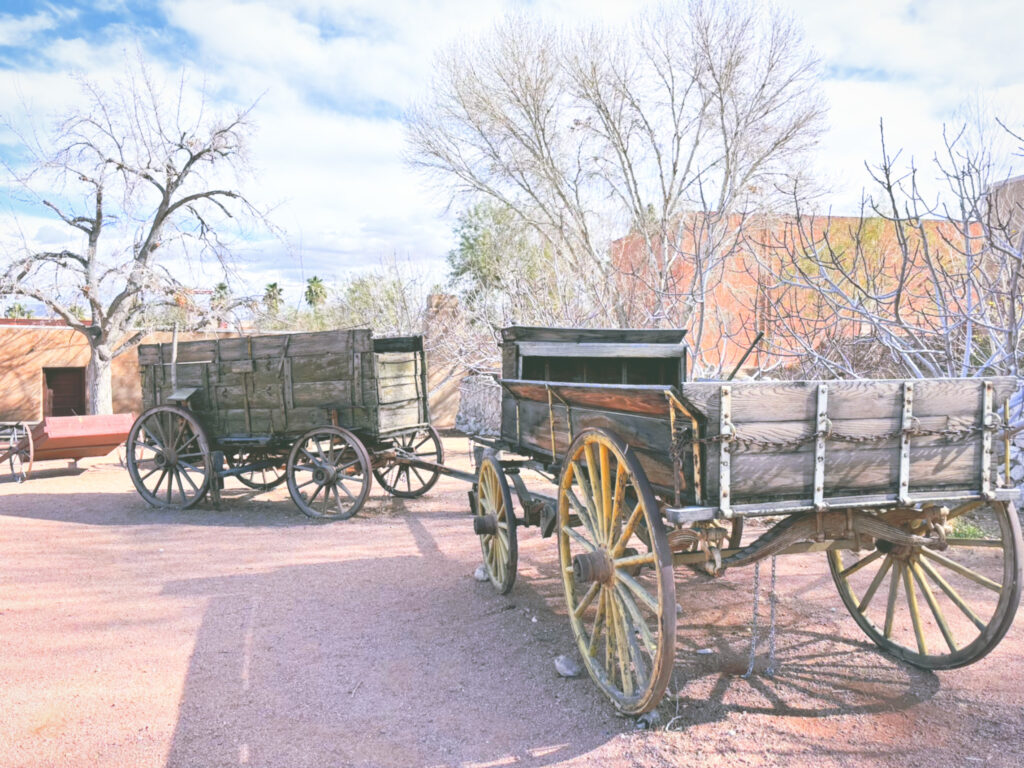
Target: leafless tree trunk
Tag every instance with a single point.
(670, 130)
(144, 178)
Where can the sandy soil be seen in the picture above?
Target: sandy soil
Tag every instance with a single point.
(252, 636)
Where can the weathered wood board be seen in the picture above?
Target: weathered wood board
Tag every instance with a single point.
(287, 384)
(773, 456)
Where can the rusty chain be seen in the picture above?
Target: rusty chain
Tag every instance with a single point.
(683, 440)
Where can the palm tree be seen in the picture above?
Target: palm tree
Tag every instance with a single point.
(316, 293)
(18, 311)
(272, 298)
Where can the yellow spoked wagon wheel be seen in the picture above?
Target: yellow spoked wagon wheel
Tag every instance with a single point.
(618, 585)
(329, 473)
(168, 457)
(938, 608)
(405, 480)
(495, 524)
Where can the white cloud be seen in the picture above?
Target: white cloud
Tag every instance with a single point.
(17, 30)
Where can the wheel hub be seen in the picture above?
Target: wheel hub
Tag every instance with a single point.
(485, 525)
(324, 475)
(593, 566)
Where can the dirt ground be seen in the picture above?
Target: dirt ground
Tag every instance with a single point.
(252, 636)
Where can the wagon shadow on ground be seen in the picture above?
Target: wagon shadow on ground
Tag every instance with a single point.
(817, 674)
(239, 507)
(283, 672)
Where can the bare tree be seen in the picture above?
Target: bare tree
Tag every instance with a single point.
(666, 130)
(144, 177)
(920, 284)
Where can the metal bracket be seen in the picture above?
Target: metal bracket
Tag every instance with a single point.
(907, 425)
(988, 421)
(695, 426)
(182, 395)
(726, 432)
(822, 429)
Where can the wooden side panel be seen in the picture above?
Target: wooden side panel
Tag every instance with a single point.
(862, 452)
(283, 383)
(648, 436)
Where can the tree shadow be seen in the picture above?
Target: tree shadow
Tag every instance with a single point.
(380, 661)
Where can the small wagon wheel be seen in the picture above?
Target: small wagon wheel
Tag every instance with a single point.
(20, 456)
(408, 481)
(938, 608)
(329, 473)
(495, 524)
(259, 479)
(169, 457)
(622, 606)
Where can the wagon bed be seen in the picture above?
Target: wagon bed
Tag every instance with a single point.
(63, 437)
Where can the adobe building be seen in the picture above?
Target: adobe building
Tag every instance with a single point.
(43, 362)
(42, 371)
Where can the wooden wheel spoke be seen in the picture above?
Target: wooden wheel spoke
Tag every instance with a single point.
(595, 633)
(933, 604)
(875, 583)
(627, 530)
(319, 487)
(621, 651)
(649, 641)
(190, 481)
(952, 594)
(861, 563)
(587, 511)
(963, 509)
(915, 614)
(606, 493)
(181, 485)
(633, 629)
(337, 498)
(579, 537)
(648, 558)
(890, 608)
(587, 599)
(637, 589)
(150, 473)
(341, 484)
(617, 501)
(963, 570)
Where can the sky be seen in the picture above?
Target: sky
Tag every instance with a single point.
(334, 77)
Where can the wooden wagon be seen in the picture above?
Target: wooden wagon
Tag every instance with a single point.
(321, 411)
(60, 437)
(898, 482)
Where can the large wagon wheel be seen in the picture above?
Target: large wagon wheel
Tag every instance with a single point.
(263, 479)
(329, 473)
(495, 524)
(20, 459)
(169, 457)
(408, 481)
(619, 588)
(938, 609)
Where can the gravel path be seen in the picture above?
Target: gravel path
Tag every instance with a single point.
(251, 636)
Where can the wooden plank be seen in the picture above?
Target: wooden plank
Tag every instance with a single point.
(608, 335)
(326, 367)
(864, 399)
(398, 391)
(398, 344)
(756, 476)
(396, 367)
(323, 393)
(392, 417)
(590, 349)
(648, 400)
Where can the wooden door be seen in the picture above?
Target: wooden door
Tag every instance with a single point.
(68, 391)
